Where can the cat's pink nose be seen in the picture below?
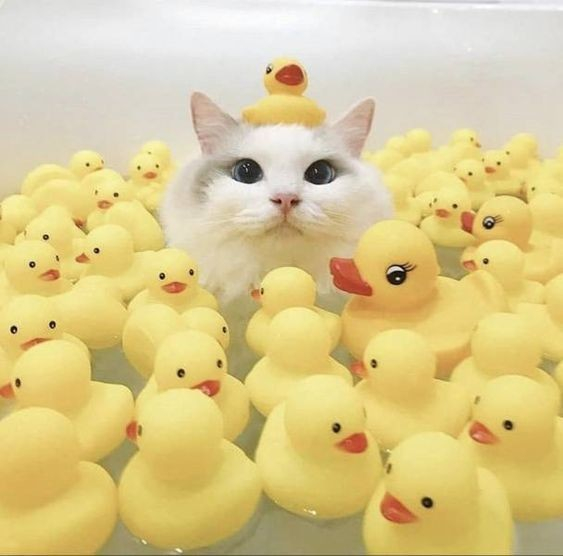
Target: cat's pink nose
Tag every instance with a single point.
(286, 201)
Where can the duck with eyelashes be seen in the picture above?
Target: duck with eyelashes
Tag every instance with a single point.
(105, 194)
(434, 499)
(498, 171)
(472, 173)
(395, 282)
(171, 278)
(298, 346)
(186, 487)
(400, 393)
(508, 218)
(315, 455)
(195, 360)
(281, 289)
(517, 434)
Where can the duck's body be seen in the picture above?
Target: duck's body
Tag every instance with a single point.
(18, 211)
(406, 206)
(43, 174)
(551, 328)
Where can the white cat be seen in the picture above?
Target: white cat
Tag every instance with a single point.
(269, 196)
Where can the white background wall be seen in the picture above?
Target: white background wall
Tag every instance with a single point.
(108, 75)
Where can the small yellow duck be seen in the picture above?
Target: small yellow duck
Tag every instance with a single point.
(186, 487)
(504, 343)
(85, 162)
(499, 177)
(50, 501)
(395, 282)
(92, 181)
(451, 207)
(57, 375)
(406, 206)
(209, 321)
(171, 277)
(548, 318)
(418, 140)
(472, 173)
(298, 346)
(146, 177)
(400, 393)
(398, 143)
(193, 359)
(315, 455)
(43, 174)
(435, 500)
(466, 137)
(509, 218)
(517, 434)
(162, 151)
(385, 159)
(109, 251)
(542, 184)
(105, 194)
(280, 289)
(18, 211)
(285, 80)
(426, 190)
(528, 140)
(505, 261)
(521, 159)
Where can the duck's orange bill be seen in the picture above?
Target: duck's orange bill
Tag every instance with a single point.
(104, 204)
(7, 391)
(82, 258)
(442, 213)
(208, 387)
(470, 265)
(290, 75)
(358, 368)
(467, 220)
(354, 444)
(50, 275)
(393, 510)
(480, 433)
(490, 169)
(79, 222)
(131, 431)
(346, 277)
(174, 287)
(150, 175)
(255, 294)
(33, 342)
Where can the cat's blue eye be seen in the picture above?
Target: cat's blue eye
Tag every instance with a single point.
(247, 170)
(320, 172)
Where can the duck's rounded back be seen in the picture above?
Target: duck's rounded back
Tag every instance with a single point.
(286, 287)
(209, 321)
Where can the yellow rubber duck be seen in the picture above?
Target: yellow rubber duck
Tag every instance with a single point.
(43, 174)
(298, 345)
(17, 211)
(385, 159)
(109, 251)
(509, 218)
(451, 207)
(547, 216)
(146, 177)
(426, 190)
(209, 321)
(472, 173)
(105, 194)
(85, 162)
(285, 80)
(51, 502)
(528, 140)
(162, 151)
(505, 261)
(398, 143)
(400, 393)
(315, 455)
(467, 140)
(56, 227)
(186, 487)
(498, 171)
(171, 278)
(406, 206)
(282, 288)
(419, 140)
(394, 276)
(193, 359)
(542, 184)
(517, 434)
(435, 500)
(414, 168)
(57, 375)
(548, 318)
(521, 159)
(91, 181)
(502, 344)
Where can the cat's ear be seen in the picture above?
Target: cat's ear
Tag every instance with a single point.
(355, 125)
(211, 124)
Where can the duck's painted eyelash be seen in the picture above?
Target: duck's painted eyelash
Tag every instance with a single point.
(408, 266)
(498, 218)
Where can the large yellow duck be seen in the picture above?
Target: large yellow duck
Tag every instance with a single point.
(509, 218)
(193, 359)
(394, 277)
(499, 177)
(435, 500)
(504, 343)
(548, 319)
(517, 434)
(57, 375)
(171, 278)
(472, 173)
(299, 345)
(282, 288)
(400, 393)
(51, 502)
(315, 455)
(186, 487)
(105, 194)
(286, 81)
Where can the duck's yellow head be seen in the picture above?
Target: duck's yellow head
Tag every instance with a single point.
(159, 149)
(465, 136)
(395, 265)
(171, 274)
(144, 166)
(54, 226)
(542, 184)
(106, 247)
(497, 164)
(470, 172)
(209, 321)
(501, 258)
(526, 140)
(285, 76)
(451, 204)
(83, 163)
(419, 140)
(111, 191)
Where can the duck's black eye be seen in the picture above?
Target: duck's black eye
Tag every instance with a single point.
(13, 329)
(181, 373)
(87, 164)
(224, 329)
(507, 152)
(472, 139)
(96, 250)
(533, 188)
(247, 171)
(138, 167)
(162, 276)
(485, 261)
(396, 275)
(336, 427)
(116, 195)
(320, 172)
(477, 400)
(489, 222)
(191, 272)
(373, 363)
(388, 468)
(499, 162)
(157, 165)
(140, 430)
(269, 68)
(261, 291)
(454, 205)
(219, 363)
(508, 425)
(45, 237)
(469, 173)
(18, 382)
(96, 192)
(52, 325)
(57, 258)
(427, 502)
(32, 264)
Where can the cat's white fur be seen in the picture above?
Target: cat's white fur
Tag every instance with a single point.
(234, 230)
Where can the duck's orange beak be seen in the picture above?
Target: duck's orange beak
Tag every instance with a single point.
(7, 391)
(82, 258)
(255, 294)
(174, 287)
(477, 144)
(33, 342)
(393, 510)
(467, 220)
(490, 169)
(346, 277)
(150, 175)
(470, 265)
(442, 213)
(104, 204)
(354, 444)
(359, 369)
(131, 431)
(79, 222)
(291, 74)
(50, 275)
(480, 433)
(208, 387)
